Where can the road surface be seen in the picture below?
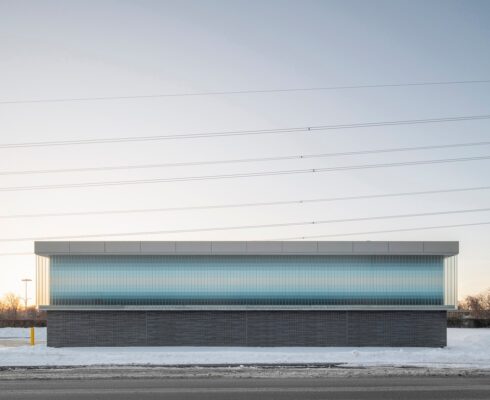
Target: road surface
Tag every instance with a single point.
(376, 388)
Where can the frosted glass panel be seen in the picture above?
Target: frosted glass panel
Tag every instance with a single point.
(451, 281)
(247, 280)
(42, 280)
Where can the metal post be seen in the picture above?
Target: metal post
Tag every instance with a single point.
(32, 339)
(26, 280)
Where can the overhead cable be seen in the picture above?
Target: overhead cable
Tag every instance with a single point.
(243, 160)
(243, 227)
(237, 92)
(238, 175)
(419, 228)
(414, 229)
(243, 205)
(237, 133)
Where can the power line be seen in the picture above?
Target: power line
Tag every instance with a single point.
(420, 228)
(244, 160)
(204, 135)
(238, 175)
(17, 254)
(237, 92)
(243, 227)
(242, 205)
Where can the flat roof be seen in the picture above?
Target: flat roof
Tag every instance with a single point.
(44, 248)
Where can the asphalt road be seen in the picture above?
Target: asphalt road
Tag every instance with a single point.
(379, 388)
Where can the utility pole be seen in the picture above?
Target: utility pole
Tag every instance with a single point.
(26, 280)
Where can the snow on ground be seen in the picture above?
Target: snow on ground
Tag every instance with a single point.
(467, 348)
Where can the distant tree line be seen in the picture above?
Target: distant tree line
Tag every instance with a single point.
(474, 307)
(477, 306)
(473, 312)
(11, 308)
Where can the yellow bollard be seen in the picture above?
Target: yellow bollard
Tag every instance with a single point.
(32, 336)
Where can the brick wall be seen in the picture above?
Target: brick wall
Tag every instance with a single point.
(247, 328)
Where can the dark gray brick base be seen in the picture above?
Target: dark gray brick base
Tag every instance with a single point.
(247, 328)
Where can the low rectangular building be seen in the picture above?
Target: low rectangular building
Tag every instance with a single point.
(246, 293)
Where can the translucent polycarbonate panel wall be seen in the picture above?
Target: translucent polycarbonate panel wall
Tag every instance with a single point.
(451, 281)
(42, 281)
(247, 280)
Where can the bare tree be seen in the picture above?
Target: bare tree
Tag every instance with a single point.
(11, 305)
(478, 305)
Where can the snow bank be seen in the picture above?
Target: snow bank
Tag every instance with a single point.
(20, 333)
(467, 348)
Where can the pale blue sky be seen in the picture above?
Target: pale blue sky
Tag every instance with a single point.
(58, 49)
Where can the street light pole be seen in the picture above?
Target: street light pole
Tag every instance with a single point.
(26, 280)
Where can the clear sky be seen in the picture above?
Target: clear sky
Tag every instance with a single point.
(68, 49)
